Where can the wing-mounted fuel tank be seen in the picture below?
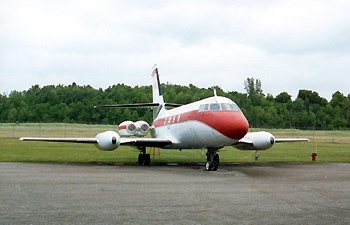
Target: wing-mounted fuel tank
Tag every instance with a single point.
(256, 141)
(129, 128)
(107, 141)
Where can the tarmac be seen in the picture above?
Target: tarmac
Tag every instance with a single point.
(41, 193)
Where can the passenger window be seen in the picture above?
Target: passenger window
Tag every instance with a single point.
(214, 107)
(201, 108)
(206, 107)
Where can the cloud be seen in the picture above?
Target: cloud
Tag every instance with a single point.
(289, 45)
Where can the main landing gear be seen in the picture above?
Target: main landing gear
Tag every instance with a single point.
(212, 160)
(144, 159)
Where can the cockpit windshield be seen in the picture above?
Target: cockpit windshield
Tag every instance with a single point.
(226, 106)
(214, 107)
(219, 107)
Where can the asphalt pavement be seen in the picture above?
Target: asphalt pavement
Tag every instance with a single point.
(34, 193)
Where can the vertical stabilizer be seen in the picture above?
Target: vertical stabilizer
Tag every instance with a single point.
(157, 92)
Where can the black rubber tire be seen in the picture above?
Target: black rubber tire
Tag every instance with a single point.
(147, 160)
(140, 159)
(217, 159)
(214, 166)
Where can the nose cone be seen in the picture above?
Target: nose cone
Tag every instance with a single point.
(232, 124)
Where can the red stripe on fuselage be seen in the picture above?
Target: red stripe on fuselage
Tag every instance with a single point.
(232, 124)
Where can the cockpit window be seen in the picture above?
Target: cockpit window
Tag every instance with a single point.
(230, 107)
(203, 108)
(214, 107)
(219, 107)
(226, 107)
(236, 108)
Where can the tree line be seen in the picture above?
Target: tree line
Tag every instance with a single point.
(75, 104)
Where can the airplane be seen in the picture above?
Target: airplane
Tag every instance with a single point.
(210, 124)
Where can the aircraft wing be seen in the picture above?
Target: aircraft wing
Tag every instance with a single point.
(244, 144)
(277, 140)
(262, 140)
(146, 142)
(290, 139)
(137, 142)
(74, 140)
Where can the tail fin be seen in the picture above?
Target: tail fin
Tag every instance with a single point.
(158, 101)
(157, 92)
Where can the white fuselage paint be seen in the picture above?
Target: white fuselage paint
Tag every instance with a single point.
(193, 135)
(190, 134)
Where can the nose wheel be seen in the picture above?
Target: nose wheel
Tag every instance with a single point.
(212, 160)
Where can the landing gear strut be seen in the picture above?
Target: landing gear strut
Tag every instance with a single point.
(144, 159)
(212, 160)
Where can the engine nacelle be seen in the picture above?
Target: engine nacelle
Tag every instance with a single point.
(108, 141)
(142, 128)
(129, 128)
(256, 141)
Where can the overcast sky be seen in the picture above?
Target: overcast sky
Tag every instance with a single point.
(288, 45)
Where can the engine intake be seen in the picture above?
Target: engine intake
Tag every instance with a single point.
(129, 128)
(142, 128)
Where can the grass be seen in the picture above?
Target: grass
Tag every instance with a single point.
(52, 129)
(13, 150)
(333, 146)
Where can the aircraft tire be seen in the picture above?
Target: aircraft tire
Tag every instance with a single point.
(214, 166)
(217, 159)
(140, 159)
(208, 166)
(211, 166)
(147, 160)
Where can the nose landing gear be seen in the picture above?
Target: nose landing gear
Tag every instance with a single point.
(212, 160)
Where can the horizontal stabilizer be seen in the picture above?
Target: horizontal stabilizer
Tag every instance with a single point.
(138, 105)
(174, 105)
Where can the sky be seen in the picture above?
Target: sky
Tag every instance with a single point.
(288, 45)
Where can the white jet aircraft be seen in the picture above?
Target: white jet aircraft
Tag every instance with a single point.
(211, 124)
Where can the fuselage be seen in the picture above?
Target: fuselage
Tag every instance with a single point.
(213, 122)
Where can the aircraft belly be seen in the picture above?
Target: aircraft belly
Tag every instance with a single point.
(193, 134)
